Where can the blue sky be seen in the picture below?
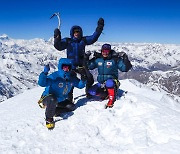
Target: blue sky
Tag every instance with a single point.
(125, 20)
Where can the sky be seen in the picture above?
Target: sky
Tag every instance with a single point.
(151, 21)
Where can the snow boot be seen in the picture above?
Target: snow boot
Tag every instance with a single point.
(50, 124)
(111, 94)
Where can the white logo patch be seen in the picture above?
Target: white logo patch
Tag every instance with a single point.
(60, 85)
(99, 63)
(109, 63)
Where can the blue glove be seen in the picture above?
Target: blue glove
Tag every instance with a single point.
(46, 69)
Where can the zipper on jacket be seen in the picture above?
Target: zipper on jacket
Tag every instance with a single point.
(65, 89)
(103, 69)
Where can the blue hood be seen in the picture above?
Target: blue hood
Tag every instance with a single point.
(72, 31)
(63, 74)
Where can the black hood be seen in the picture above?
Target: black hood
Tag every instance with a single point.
(76, 27)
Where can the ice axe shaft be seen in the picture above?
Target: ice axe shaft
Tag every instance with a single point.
(58, 16)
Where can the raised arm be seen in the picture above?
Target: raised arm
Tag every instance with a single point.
(44, 81)
(59, 44)
(124, 64)
(93, 38)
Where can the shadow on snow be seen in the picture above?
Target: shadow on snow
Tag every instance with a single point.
(81, 101)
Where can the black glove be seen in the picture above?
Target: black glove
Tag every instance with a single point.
(87, 55)
(100, 25)
(83, 77)
(97, 55)
(81, 70)
(125, 59)
(57, 33)
(121, 55)
(101, 22)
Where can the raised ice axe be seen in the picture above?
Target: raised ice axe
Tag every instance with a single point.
(58, 16)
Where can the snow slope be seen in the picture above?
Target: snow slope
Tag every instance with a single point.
(142, 121)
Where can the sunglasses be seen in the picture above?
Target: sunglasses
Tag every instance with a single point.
(76, 31)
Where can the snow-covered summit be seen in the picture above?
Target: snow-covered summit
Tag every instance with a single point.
(142, 121)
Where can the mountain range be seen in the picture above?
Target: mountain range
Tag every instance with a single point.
(156, 65)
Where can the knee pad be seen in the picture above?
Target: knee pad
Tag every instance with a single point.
(110, 83)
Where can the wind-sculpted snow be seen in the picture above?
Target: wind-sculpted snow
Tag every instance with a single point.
(23, 60)
(142, 121)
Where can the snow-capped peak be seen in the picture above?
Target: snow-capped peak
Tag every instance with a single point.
(4, 37)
